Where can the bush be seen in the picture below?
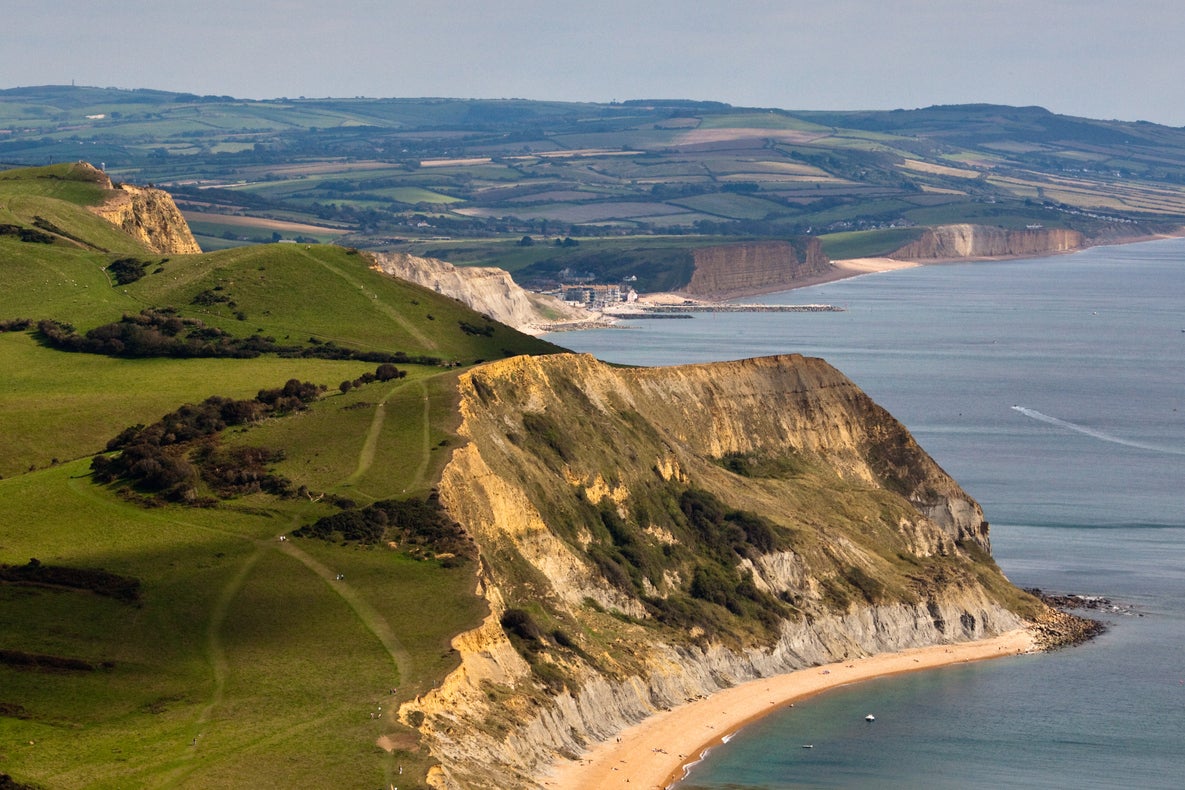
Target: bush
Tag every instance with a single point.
(127, 270)
(240, 470)
(520, 623)
(154, 458)
(15, 324)
(111, 585)
(162, 333)
(420, 525)
(26, 234)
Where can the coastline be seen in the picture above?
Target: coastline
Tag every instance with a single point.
(840, 270)
(658, 751)
(857, 267)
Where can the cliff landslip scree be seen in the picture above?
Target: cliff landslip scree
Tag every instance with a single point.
(650, 535)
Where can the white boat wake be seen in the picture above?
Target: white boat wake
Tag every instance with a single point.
(1095, 434)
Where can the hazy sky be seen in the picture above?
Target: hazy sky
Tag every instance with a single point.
(1097, 58)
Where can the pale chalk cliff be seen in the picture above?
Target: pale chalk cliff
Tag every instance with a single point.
(954, 242)
(650, 535)
(487, 290)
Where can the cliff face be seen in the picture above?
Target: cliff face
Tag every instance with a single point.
(149, 216)
(487, 290)
(650, 535)
(740, 269)
(952, 242)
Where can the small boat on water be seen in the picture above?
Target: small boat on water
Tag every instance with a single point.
(870, 717)
(808, 746)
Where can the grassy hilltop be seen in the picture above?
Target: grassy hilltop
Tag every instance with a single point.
(155, 630)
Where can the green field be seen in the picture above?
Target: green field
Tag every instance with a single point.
(393, 172)
(242, 660)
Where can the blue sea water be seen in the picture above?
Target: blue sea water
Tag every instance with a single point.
(1053, 390)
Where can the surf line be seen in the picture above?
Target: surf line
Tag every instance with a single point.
(1094, 434)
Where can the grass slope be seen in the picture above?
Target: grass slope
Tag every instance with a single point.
(246, 660)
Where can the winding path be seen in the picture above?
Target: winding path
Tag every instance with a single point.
(370, 617)
(384, 308)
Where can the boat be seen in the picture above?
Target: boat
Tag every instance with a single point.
(870, 717)
(808, 746)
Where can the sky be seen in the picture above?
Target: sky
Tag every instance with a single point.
(1107, 59)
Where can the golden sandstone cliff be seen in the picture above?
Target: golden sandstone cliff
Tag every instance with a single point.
(146, 214)
(650, 535)
(732, 270)
(952, 242)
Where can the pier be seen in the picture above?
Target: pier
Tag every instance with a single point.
(645, 311)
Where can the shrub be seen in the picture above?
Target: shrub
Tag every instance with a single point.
(154, 458)
(111, 585)
(472, 329)
(420, 525)
(15, 324)
(127, 270)
(240, 470)
(520, 623)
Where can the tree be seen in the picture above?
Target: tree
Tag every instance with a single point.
(387, 372)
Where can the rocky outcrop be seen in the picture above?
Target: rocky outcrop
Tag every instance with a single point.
(733, 270)
(658, 534)
(486, 289)
(148, 215)
(954, 242)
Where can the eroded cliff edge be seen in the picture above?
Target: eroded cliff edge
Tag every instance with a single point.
(650, 535)
(731, 270)
(486, 289)
(957, 242)
(146, 214)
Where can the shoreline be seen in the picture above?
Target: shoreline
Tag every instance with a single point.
(841, 270)
(857, 267)
(658, 751)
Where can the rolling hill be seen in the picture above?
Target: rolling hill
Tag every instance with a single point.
(269, 516)
(221, 661)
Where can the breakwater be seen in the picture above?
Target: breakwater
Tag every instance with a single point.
(645, 311)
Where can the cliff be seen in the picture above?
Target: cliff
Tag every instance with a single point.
(650, 535)
(148, 215)
(733, 270)
(487, 290)
(953, 242)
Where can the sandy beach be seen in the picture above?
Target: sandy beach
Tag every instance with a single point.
(654, 753)
(857, 266)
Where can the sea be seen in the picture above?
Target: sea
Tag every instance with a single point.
(1053, 390)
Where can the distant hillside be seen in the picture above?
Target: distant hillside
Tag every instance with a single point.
(462, 180)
